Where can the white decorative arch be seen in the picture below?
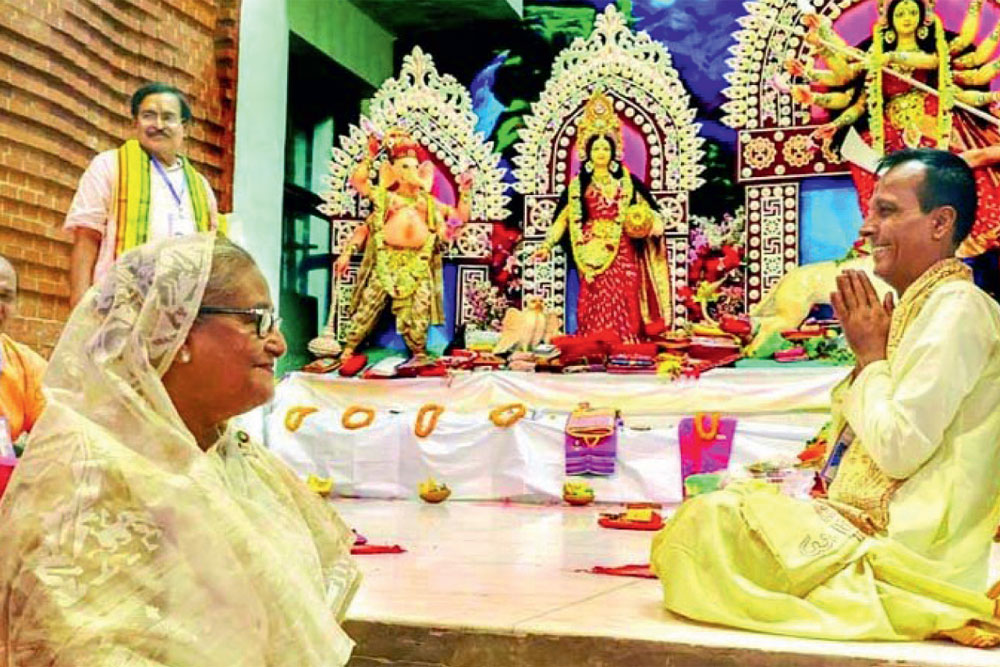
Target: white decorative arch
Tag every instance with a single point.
(774, 151)
(437, 111)
(637, 73)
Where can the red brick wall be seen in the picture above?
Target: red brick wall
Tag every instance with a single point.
(67, 70)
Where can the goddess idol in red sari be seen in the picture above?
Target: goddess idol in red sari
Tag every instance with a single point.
(615, 234)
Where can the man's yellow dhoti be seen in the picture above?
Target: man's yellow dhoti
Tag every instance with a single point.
(900, 550)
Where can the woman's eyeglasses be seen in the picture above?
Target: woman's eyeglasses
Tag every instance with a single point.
(264, 318)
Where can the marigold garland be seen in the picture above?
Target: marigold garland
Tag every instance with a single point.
(699, 426)
(420, 427)
(296, 414)
(508, 415)
(347, 422)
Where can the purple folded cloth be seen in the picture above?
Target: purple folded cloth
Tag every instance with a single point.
(597, 459)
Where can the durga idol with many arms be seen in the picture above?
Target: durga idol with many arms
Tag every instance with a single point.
(614, 226)
(864, 89)
(403, 240)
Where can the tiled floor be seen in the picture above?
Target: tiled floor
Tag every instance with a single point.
(512, 569)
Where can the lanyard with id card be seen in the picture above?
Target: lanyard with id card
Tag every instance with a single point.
(844, 440)
(178, 196)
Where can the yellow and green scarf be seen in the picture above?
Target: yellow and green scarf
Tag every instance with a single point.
(131, 195)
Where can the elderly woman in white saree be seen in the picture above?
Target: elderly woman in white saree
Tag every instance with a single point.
(141, 528)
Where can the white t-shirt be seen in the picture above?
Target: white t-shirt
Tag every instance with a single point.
(91, 207)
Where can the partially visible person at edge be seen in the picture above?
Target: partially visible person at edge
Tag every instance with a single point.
(141, 526)
(21, 368)
(899, 548)
(142, 191)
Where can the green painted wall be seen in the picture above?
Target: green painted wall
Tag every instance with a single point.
(319, 281)
(346, 34)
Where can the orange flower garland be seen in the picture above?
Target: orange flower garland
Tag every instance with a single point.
(699, 426)
(296, 414)
(508, 415)
(421, 428)
(352, 425)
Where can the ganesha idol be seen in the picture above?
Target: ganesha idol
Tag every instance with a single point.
(403, 241)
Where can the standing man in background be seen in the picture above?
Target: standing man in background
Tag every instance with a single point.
(141, 191)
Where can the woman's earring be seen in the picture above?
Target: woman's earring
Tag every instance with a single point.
(184, 356)
(890, 36)
(589, 166)
(613, 166)
(922, 32)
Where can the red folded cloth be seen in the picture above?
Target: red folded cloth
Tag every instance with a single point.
(581, 348)
(6, 470)
(558, 341)
(619, 522)
(631, 370)
(700, 367)
(437, 370)
(739, 326)
(607, 338)
(712, 349)
(353, 365)
(634, 570)
(640, 349)
(373, 549)
(655, 328)
(424, 368)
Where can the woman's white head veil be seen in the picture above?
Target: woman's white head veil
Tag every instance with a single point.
(121, 539)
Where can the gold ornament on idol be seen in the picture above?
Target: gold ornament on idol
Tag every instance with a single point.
(598, 120)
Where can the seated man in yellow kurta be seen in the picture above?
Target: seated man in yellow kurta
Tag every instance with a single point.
(899, 549)
(21, 368)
